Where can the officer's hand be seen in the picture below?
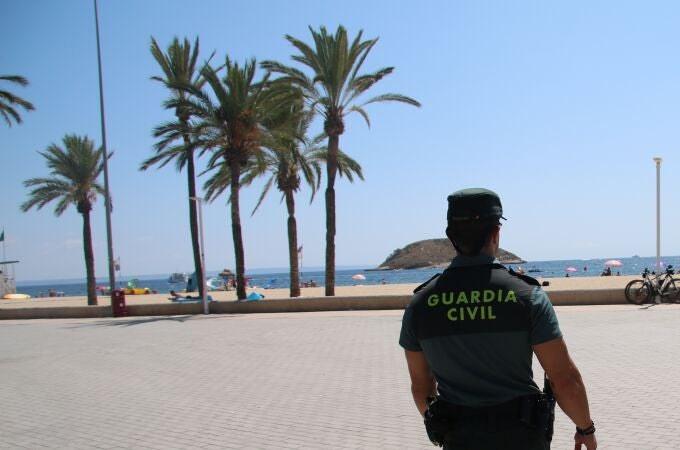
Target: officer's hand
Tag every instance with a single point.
(589, 441)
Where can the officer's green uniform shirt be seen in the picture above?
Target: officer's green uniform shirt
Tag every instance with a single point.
(476, 324)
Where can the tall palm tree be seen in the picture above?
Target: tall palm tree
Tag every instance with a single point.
(8, 101)
(178, 65)
(291, 153)
(231, 126)
(333, 91)
(75, 169)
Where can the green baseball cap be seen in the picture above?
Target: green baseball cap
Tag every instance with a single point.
(474, 204)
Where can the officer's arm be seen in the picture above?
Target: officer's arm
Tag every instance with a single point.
(565, 379)
(422, 381)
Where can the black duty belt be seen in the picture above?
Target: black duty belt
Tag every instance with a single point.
(511, 408)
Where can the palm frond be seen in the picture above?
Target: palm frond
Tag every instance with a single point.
(265, 190)
(363, 114)
(393, 98)
(9, 101)
(17, 79)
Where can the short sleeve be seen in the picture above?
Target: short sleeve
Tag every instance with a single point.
(544, 324)
(407, 338)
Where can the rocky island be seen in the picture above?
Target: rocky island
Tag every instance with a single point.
(433, 253)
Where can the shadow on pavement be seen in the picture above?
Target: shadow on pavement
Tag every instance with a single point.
(128, 321)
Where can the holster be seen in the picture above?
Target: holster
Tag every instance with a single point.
(548, 405)
(539, 412)
(437, 423)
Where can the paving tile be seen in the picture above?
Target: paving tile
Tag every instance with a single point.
(307, 380)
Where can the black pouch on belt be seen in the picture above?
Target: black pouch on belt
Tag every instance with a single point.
(538, 411)
(547, 408)
(437, 422)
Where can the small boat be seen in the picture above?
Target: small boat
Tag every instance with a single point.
(136, 291)
(133, 289)
(178, 277)
(534, 269)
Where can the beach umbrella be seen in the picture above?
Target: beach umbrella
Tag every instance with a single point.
(226, 273)
(572, 269)
(358, 277)
(613, 263)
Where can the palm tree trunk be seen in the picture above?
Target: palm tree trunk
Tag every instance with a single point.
(331, 169)
(193, 218)
(293, 246)
(236, 231)
(89, 260)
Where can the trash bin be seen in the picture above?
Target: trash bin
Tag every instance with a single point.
(118, 303)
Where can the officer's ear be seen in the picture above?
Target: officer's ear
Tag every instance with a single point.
(448, 233)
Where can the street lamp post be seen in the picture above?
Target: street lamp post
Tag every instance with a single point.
(199, 202)
(107, 192)
(658, 160)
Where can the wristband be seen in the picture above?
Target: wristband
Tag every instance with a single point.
(587, 431)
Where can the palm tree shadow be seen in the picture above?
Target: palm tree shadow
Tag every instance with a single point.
(129, 322)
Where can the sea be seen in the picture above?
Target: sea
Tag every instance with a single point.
(347, 276)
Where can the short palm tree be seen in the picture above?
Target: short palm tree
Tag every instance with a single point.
(178, 65)
(333, 90)
(9, 101)
(229, 122)
(75, 169)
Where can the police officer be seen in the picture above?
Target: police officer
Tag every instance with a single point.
(469, 335)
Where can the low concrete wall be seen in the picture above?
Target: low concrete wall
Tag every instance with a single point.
(56, 312)
(588, 297)
(558, 298)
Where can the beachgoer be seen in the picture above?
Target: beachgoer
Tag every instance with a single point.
(469, 335)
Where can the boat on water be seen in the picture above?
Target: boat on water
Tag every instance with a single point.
(534, 269)
(178, 277)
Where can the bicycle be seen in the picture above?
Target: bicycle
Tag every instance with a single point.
(662, 285)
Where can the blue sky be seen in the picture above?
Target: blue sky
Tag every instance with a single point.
(558, 106)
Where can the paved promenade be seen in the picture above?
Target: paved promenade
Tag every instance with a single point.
(333, 380)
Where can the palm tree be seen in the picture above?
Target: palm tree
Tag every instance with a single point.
(231, 127)
(333, 91)
(9, 100)
(75, 169)
(178, 65)
(291, 153)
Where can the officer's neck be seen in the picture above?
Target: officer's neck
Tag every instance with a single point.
(492, 244)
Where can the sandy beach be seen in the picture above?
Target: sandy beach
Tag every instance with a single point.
(556, 284)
